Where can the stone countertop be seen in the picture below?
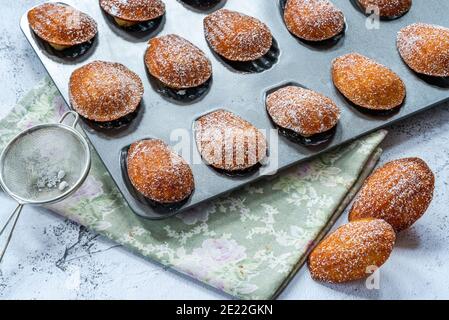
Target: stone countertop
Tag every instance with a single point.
(54, 258)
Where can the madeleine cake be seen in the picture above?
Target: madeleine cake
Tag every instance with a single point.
(386, 8)
(177, 63)
(313, 20)
(303, 111)
(61, 25)
(158, 173)
(228, 142)
(367, 83)
(399, 192)
(236, 36)
(349, 252)
(425, 49)
(127, 13)
(105, 91)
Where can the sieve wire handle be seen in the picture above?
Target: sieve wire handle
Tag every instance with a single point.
(16, 213)
(73, 113)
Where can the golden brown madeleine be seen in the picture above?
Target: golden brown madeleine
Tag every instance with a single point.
(387, 8)
(399, 192)
(349, 252)
(158, 173)
(313, 20)
(236, 36)
(176, 62)
(228, 142)
(303, 111)
(367, 83)
(425, 48)
(130, 12)
(61, 25)
(104, 91)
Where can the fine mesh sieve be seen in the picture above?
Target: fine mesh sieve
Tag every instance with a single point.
(43, 164)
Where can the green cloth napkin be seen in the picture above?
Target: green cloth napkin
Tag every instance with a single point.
(248, 244)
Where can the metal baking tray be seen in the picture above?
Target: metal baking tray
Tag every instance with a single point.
(242, 92)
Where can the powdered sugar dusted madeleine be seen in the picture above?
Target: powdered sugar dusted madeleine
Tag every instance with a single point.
(425, 48)
(61, 25)
(348, 253)
(158, 173)
(306, 112)
(313, 20)
(105, 91)
(387, 8)
(228, 142)
(129, 12)
(236, 36)
(399, 192)
(367, 83)
(176, 62)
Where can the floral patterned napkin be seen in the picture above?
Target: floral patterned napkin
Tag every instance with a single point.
(248, 244)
